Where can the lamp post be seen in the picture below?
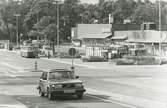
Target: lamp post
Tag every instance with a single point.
(160, 43)
(17, 31)
(21, 36)
(58, 37)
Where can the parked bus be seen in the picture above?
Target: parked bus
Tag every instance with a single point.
(29, 51)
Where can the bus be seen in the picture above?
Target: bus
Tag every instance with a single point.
(29, 51)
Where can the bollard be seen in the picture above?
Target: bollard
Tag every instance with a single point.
(73, 69)
(48, 54)
(35, 65)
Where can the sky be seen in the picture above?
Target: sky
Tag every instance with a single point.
(89, 1)
(95, 1)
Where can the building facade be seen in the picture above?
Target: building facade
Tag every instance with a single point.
(94, 37)
(100, 39)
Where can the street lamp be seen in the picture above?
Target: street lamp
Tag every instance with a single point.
(160, 43)
(58, 37)
(21, 36)
(17, 32)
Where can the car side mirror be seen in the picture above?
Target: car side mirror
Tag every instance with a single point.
(44, 78)
(77, 77)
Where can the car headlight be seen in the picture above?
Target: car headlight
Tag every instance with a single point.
(56, 86)
(52, 85)
(78, 85)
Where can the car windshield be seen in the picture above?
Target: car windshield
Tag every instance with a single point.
(61, 75)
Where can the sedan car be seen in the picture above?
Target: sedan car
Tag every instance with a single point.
(60, 82)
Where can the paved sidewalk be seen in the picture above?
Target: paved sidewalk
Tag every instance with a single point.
(10, 102)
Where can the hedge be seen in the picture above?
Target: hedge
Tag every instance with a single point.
(93, 59)
(125, 61)
(140, 60)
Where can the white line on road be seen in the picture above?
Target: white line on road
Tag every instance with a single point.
(112, 101)
(11, 66)
(137, 101)
(160, 88)
(9, 59)
(12, 106)
(10, 74)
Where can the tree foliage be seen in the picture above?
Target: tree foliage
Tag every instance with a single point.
(39, 17)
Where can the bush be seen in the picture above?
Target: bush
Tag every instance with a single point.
(125, 62)
(145, 60)
(66, 55)
(93, 59)
(163, 61)
(149, 61)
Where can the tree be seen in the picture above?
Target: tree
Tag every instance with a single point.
(8, 19)
(40, 15)
(69, 17)
(145, 12)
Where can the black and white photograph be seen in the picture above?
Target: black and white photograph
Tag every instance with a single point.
(83, 53)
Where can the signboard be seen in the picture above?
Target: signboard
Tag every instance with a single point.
(106, 30)
(72, 51)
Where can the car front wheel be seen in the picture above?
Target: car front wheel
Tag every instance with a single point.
(50, 96)
(80, 96)
(41, 93)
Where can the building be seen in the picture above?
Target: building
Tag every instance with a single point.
(93, 38)
(150, 39)
(97, 39)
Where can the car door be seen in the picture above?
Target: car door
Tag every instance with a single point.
(43, 82)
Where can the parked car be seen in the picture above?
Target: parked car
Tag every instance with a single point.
(60, 82)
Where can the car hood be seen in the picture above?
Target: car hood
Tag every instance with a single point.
(65, 81)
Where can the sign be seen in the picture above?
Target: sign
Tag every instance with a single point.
(72, 51)
(111, 19)
(106, 30)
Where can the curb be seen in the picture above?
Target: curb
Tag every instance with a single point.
(66, 62)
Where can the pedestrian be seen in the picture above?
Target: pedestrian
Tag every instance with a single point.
(48, 54)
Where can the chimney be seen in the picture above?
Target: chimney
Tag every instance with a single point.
(111, 19)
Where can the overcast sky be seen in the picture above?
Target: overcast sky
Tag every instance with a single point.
(89, 1)
(95, 1)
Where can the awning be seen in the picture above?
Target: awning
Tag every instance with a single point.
(119, 38)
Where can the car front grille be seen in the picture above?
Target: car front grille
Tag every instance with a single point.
(68, 85)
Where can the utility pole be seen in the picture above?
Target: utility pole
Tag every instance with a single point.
(58, 44)
(58, 35)
(17, 31)
(160, 42)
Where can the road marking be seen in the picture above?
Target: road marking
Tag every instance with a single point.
(137, 101)
(9, 59)
(112, 101)
(10, 74)
(9, 71)
(12, 106)
(11, 66)
(131, 82)
(27, 102)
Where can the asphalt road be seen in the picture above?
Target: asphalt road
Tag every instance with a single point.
(18, 80)
(118, 87)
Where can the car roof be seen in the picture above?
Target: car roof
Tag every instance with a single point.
(57, 70)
